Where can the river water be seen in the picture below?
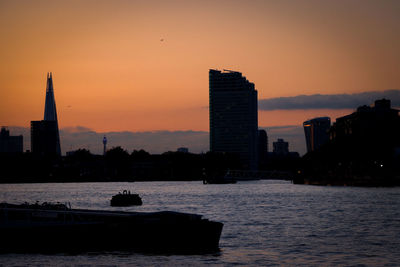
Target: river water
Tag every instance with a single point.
(266, 223)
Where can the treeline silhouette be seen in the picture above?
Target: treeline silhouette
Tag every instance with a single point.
(116, 165)
(119, 165)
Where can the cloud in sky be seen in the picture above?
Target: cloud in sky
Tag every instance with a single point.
(334, 101)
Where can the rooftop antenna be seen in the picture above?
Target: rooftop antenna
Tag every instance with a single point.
(231, 71)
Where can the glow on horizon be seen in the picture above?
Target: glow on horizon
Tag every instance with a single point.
(143, 65)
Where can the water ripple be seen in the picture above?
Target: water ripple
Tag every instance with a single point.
(266, 223)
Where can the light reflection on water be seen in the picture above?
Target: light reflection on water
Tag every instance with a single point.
(265, 222)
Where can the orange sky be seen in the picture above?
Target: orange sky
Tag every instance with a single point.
(112, 72)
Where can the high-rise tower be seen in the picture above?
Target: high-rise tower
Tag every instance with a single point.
(316, 132)
(233, 116)
(45, 136)
(50, 112)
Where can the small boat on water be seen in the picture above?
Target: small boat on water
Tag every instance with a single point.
(126, 199)
(55, 228)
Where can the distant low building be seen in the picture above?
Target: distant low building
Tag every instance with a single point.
(281, 147)
(281, 158)
(10, 144)
(316, 132)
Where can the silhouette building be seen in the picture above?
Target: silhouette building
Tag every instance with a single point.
(45, 137)
(262, 146)
(373, 127)
(233, 116)
(316, 132)
(10, 144)
(281, 148)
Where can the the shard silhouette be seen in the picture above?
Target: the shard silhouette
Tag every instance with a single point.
(50, 112)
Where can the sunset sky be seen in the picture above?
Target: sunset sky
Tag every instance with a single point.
(143, 65)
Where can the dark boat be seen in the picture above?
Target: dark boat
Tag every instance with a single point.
(56, 228)
(126, 199)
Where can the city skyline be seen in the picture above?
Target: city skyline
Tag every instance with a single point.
(142, 66)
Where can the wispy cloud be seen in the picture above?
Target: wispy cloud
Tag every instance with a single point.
(336, 101)
(77, 129)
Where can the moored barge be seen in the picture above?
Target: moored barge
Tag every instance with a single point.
(57, 228)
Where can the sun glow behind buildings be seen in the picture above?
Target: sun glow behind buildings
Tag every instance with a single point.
(113, 73)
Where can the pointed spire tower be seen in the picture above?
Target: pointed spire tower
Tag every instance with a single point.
(50, 112)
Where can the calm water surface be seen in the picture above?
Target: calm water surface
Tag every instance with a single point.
(266, 223)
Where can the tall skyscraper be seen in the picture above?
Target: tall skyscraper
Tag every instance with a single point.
(316, 132)
(233, 116)
(45, 137)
